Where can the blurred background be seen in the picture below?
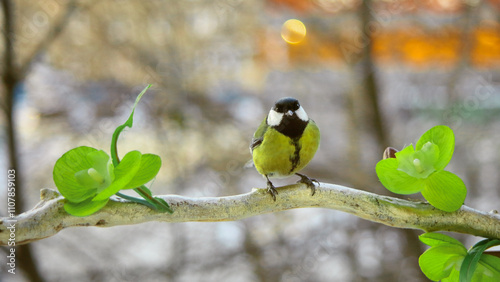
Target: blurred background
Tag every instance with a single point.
(371, 74)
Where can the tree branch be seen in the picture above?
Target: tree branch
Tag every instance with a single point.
(48, 216)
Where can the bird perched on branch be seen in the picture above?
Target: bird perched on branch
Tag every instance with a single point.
(284, 143)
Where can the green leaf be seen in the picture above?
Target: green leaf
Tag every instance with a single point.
(447, 259)
(473, 257)
(438, 262)
(66, 167)
(443, 259)
(445, 191)
(489, 266)
(84, 208)
(435, 239)
(119, 129)
(454, 276)
(148, 169)
(443, 137)
(124, 172)
(395, 180)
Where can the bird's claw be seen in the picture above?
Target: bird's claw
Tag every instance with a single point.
(271, 189)
(308, 181)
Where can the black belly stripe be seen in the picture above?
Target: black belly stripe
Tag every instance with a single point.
(295, 159)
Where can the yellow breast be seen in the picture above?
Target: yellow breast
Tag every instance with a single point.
(275, 156)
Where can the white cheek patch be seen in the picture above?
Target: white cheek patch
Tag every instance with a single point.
(274, 118)
(302, 114)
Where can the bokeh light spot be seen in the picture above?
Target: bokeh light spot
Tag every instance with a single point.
(293, 31)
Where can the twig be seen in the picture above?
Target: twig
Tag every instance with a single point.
(48, 217)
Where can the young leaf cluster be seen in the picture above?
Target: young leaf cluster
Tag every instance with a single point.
(88, 177)
(449, 261)
(421, 169)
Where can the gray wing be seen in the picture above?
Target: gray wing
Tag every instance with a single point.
(258, 136)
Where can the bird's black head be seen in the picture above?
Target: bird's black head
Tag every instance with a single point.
(288, 117)
(286, 104)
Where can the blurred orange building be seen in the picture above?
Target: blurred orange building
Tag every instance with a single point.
(397, 34)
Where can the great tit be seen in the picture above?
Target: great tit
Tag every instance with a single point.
(284, 143)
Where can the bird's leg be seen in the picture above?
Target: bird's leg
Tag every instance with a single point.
(308, 181)
(271, 189)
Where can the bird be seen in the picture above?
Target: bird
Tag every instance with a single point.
(284, 143)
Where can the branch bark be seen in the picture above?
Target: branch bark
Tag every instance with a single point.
(48, 217)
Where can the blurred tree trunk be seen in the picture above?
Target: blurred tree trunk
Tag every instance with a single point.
(467, 38)
(12, 75)
(369, 80)
(374, 118)
(10, 78)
